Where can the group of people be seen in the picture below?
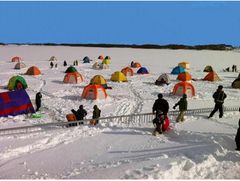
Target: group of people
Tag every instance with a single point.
(234, 69)
(52, 65)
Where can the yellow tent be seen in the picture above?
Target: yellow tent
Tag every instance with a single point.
(185, 65)
(98, 79)
(106, 61)
(118, 77)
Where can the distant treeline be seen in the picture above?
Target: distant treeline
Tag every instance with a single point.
(145, 46)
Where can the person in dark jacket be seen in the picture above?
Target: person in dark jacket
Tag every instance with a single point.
(51, 65)
(182, 103)
(132, 63)
(38, 101)
(219, 97)
(160, 108)
(237, 137)
(80, 113)
(96, 114)
(65, 63)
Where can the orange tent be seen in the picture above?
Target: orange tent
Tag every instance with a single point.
(184, 88)
(73, 78)
(94, 92)
(211, 76)
(101, 57)
(137, 65)
(184, 76)
(33, 71)
(127, 71)
(16, 59)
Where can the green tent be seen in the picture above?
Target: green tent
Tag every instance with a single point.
(17, 82)
(208, 68)
(70, 69)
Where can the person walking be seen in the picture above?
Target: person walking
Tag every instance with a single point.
(80, 113)
(65, 63)
(51, 65)
(182, 103)
(38, 101)
(160, 108)
(96, 115)
(219, 97)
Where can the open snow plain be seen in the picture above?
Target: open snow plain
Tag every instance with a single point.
(198, 148)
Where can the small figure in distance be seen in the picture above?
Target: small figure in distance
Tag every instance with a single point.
(65, 63)
(182, 103)
(38, 101)
(51, 64)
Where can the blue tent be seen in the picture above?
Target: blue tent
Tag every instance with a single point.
(14, 103)
(142, 70)
(177, 70)
(86, 59)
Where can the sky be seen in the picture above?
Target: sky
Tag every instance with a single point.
(120, 22)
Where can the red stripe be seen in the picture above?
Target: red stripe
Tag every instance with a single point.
(16, 109)
(5, 97)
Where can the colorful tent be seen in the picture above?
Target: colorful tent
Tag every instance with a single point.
(53, 58)
(211, 76)
(106, 61)
(16, 59)
(100, 57)
(16, 83)
(137, 65)
(98, 80)
(33, 71)
(163, 79)
(142, 70)
(184, 65)
(127, 71)
(96, 65)
(73, 78)
(86, 59)
(14, 103)
(177, 70)
(104, 66)
(19, 65)
(108, 57)
(208, 68)
(184, 76)
(236, 83)
(71, 69)
(184, 88)
(94, 92)
(118, 77)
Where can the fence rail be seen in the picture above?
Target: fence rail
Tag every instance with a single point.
(123, 120)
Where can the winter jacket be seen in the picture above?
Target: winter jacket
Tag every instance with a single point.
(237, 138)
(38, 99)
(160, 105)
(96, 113)
(80, 113)
(182, 103)
(219, 97)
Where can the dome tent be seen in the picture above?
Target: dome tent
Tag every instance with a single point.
(127, 71)
(208, 68)
(53, 58)
(212, 76)
(106, 61)
(96, 65)
(163, 79)
(16, 59)
(142, 70)
(94, 92)
(16, 83)
(177, 70)
(104, 66)
(184, 88)
(86, 59)
(33, 71)
(137, 65)
(98, 80)
(100, 57)
(118, 77)
(71, 69)
(184, 76)
(184, 65)
(73, 78)
(19, 65)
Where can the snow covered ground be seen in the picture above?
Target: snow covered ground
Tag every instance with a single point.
(198, 148)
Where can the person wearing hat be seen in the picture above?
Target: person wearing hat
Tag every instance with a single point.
(219, 96)
(96, 115)
(80, 113)
(182, 103)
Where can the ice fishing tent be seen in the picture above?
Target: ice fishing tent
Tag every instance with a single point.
(19, 65)
(177, 70)
(106, 61)
(184, 88)
(212, 76)
(142, 70)
(96, 65)
(100, 57)
(98, 80)
(16, 83)
(108, 57)
(94, 92)
(163, 79)
(208, 68)
(137, 65)
(53, 58)
(184, 65)
(73, 78)
(118, 77)
(184, 76)
(14, 103)
(86, 59)
(104, 66)
(33, 71)
(236, 83)
(16, 59)
(127, 71)
(71, 69)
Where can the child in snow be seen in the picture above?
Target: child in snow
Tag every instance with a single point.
(182, 103)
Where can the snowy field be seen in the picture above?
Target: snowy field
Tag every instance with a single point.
(198, 148)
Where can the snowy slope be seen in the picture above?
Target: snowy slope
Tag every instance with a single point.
(197, 148)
